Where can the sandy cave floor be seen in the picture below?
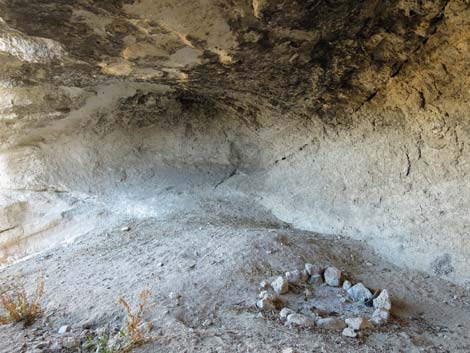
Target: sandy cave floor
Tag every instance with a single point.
(215, 257)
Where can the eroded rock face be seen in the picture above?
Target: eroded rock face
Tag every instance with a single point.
(340, 116)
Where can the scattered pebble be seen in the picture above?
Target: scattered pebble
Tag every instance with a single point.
(331, 323)
(289, 350)
(347, 285)
(280, 285)
(300, 320)
(297, 277)
(125, 229)
(64, 329)
(332, 276)
(313, 269)
(285, 312)
(357, 323)
(268, 301)
(349, 332)
(359, 293)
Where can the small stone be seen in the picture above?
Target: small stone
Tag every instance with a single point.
(300, 320)
(280, 285)
(64, 329)
(356, 323)
(125, 229)
(316, 279)
(383, 301)
(267, 294)
(347, 285)
(285, 312)
(313, 269)
(331, 323)
(289, 350)
(349, 332)
(296, 277)
(332, 276)
(380, 316)
(264, 285)
(265, 304)
(268, 301)
(293, 276)
(359, 293)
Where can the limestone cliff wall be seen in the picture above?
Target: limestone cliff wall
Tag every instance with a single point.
(341, 117)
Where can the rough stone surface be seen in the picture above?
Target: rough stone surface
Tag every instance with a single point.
(330, 323)
(285, 312)
(380, 316)
(383, 301)
(355, 323)
(280, 285)
(349, 332)
(296, 277)
(332, 276)
(300, 320)
(359, 292)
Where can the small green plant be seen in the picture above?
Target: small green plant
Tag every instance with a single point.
(19, 306)
(134, 333)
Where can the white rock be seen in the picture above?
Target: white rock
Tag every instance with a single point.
(285, 312)
(289, 350)
(64, 329)
(346, 285)
(383, 301)
(349, 332)
(293, 276)
(359, 293)
(296, 277)
(331, 323)
(268, 301)
(356, 323)
(300, 320)
(280, 285)
(332, 276)
(313, 269)
(125, 229)
(380, 316)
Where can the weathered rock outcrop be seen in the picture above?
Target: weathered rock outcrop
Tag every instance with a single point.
(343, 117)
